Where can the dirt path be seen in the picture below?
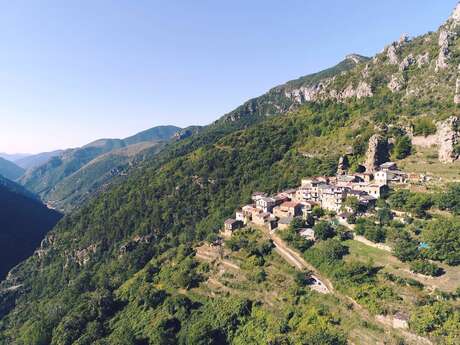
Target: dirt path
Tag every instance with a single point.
(372, 244)
(320, 284)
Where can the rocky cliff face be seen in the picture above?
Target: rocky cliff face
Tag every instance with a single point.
(448, 139)
(324, 91)
(457, 87)
(377, 152)
(343, 165)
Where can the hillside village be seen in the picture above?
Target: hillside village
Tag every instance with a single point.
(366, 251)
(328, 193)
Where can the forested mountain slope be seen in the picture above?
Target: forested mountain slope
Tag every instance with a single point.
(24, 222)
(120, 270)
(55, 180)
(10, 170)
(99, 173)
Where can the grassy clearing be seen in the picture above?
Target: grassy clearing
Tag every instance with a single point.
(448, 282)
(425, 161)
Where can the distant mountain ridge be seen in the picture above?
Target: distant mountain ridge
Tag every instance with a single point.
(10, 170)
(54, 181)
(32, 161)
(13, 157)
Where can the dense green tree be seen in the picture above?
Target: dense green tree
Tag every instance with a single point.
(370, 230)
(416, 203)
(450, 199)
(402, 147)
(405, 249)
(353, 203)
(323, 230)
(384, 215)
(317, 212)
(443, 239)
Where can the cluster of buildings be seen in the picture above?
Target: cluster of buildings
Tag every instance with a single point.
(329, 193)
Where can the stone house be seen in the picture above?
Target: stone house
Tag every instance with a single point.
(285, 222)
(239, 215)
(387, 166)
(381, 177)
(248, 212)
(332, 201)
(344, 180)
(343, 217)
(265, 204)
(280, 198)
(289, 193)
(374, 190)
(307, 233)
(292, 208)
(257, 195)
(364, 177)
(231, 225)
(307, 206)
(265, 219)
(397, 176)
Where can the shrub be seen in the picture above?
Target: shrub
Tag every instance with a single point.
(427, 268)
(424, 126)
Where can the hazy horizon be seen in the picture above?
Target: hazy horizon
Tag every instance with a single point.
(74, 73)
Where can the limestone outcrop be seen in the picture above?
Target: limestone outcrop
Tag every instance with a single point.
(377, 152)
(396, 83)
(363, 90)
(455, 16)
(457, 88)
(343, 165)
(407, 62)
(81, 256)
(448, 139)
(320, 91)
(392, 54)
(445, 37)
(423, 59)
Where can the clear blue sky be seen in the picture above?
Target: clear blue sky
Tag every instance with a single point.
(75, 71)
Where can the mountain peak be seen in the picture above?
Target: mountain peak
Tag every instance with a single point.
(356, 58)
